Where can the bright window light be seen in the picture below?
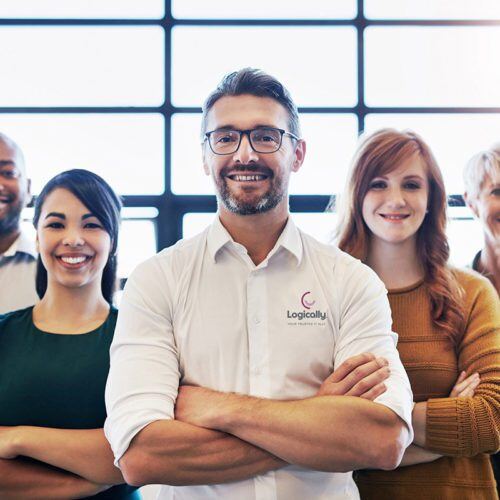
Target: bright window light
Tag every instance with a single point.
(126, 149)
(263, 9)
(432, 66)
(82, 66)
(75, 9)
(291, 54)
(432, 9)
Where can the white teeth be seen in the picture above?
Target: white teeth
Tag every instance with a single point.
(394, 217)
(73, 260)
(249, 177)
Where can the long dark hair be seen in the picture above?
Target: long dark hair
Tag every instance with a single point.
(98, 196)
(378, 154)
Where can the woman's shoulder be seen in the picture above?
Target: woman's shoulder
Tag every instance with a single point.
(471, 280)
(476, 288)
(16, 316)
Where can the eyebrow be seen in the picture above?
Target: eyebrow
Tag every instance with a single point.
(60, 215)
(233, 127)
(406, 177)
(7, 163)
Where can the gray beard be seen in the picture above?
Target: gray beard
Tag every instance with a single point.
(269, 201)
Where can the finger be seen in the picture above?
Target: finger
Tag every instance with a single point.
(469, 390)
(467, 393)
(349, 365)
(362, 372)
(375, 392)
(461, 377)
(459, 387)
(370, 381)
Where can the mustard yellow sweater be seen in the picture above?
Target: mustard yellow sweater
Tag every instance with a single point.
(462, 429)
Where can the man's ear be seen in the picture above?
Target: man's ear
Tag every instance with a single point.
(471, 203)
(300, 153)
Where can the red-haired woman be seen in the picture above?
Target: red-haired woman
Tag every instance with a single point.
(448, 321)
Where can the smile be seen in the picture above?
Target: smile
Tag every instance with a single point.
(248, 178)
(74, 261)
(395, 217)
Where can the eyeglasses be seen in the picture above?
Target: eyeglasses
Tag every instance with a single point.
(262, 139)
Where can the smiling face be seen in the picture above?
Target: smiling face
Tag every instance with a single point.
(395, 204)
(486, 207)
(248, 182)
(72, 242)
(14, 188)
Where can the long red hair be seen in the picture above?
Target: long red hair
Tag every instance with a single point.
(379, 154)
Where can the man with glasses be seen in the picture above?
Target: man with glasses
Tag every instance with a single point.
(17, 249)
(238, 352)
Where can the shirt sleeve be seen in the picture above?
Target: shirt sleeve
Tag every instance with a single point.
(143, 379)
(365, 326)
(468, 426)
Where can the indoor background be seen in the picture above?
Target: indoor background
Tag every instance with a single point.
(116, 86)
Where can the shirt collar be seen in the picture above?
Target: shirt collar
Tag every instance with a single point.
(289, 239)
(23, 244)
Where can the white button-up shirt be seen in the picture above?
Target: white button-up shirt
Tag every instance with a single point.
(17, 275)
(202, 313)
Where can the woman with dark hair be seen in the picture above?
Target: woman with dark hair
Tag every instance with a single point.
(393, 219)
(54, 357)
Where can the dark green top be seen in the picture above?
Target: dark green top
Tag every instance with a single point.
(55, 380)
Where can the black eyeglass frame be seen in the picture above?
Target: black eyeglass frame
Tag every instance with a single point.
(247, 133)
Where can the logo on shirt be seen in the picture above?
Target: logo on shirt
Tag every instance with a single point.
(306, 316)
(305, 302)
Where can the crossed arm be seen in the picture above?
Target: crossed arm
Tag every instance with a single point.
(220, 437)
(23, 478)
(67, 463)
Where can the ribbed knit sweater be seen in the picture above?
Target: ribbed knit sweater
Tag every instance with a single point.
(462, 429)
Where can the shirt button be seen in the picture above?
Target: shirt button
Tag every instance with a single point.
(256, 320)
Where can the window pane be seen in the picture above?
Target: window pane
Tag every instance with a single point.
(90, 9)
(432, 9)
(126, 149)
(137, 242)
(82, 66)
(465, 236)
(263, 9)
(288, 53)
(331, 139)
(430, 66)
(453, 138)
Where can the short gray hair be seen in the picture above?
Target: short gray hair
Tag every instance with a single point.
(481, 165)
(254, 82)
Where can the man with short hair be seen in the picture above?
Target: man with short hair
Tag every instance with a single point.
(237, 369)
(17, 250)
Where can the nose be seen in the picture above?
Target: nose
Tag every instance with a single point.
(245, 153)
(396, 198)
(73, 238)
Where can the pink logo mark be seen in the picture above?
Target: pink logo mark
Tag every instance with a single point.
(305, 302)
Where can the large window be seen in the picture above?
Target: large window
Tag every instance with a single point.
(116, 86)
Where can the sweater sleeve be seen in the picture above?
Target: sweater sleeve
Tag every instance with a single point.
(468, 426)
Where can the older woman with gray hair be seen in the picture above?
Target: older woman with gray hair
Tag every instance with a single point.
(482, 195)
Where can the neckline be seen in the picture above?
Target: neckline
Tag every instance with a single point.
(95, 330)
(407, 288)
